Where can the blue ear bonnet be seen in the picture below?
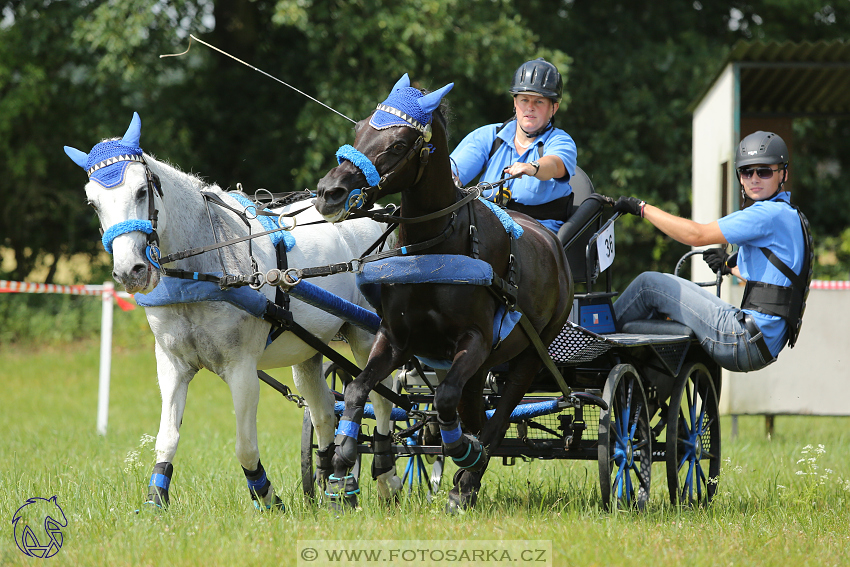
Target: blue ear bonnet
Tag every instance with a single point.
(108, 162)
(404, 99)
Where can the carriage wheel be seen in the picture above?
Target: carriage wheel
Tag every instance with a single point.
(693, 438)
(625, 441)
(334, 376)
(416, 467)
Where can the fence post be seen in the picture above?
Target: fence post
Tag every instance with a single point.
(105, 357)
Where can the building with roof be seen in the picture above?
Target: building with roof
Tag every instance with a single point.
(765, 86)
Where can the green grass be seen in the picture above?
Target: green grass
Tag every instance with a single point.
(764, 514)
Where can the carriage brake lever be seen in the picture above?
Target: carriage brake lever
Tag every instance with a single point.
(581, 398)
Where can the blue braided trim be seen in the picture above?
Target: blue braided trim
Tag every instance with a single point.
(269, 223)
(123, 227)
(511, 226)
(258, 484)
(160, 480)
(450, 435)
(348, 428)
(360, 161)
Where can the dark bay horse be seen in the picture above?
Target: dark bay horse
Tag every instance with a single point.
(403, 147)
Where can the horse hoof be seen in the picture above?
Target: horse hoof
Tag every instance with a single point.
(275, 503)
(152, 507)
(342, 492)
(389, 485)
(454, 507)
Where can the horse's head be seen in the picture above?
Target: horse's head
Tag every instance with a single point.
(122, 189)
(389, 153)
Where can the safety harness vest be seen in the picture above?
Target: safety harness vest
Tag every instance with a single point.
(787, 302)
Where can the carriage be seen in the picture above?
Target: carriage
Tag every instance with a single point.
(660, 392)
(601, 395)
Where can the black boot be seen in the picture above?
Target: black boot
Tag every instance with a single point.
(259, 486)
(160, 481)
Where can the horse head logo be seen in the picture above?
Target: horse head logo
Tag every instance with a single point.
(46, 513)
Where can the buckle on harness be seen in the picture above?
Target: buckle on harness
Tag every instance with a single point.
(281, 224)
(259, 280)
(291, 277)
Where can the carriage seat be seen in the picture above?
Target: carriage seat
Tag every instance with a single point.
(587, 206)
(657, 327)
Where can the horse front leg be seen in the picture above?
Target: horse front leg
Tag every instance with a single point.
(467, 481)
(342, 486)
(244, 386)
(383, 457)
(173, 375)
(465, 449)
(310, 383)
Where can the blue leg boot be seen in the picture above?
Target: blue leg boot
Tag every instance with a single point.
(158, 488)
(262, 491)
(464, 449)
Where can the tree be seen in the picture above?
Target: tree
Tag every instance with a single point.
(636, 68)
(57, 90)
(631, 71)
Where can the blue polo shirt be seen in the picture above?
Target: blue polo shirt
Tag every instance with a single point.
(471, 156)
(774, 225)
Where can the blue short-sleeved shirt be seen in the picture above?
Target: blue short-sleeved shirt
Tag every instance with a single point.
(471, 156)
(774, 225)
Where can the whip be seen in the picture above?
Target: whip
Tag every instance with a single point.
(191, 37)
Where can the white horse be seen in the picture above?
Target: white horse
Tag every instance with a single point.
(213, 334)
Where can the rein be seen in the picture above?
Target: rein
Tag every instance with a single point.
(217, 200)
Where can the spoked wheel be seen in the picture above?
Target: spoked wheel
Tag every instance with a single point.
(416, 473)
(625, 441)
(693, 438)
(336, 378)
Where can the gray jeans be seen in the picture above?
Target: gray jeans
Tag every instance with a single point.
(653, 295)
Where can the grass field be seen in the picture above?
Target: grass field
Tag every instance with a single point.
(765, 513)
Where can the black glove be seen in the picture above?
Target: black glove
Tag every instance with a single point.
(631, 205)
(719, 259)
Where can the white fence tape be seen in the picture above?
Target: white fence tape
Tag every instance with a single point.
(824, 284)
(108, 297)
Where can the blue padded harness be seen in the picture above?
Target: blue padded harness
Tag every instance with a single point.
(438, 269)
(177, 290)
(511, 226)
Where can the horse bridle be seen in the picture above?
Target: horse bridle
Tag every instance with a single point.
(365, 197)
(152, 186)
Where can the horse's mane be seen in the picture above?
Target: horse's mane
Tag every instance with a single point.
(196, 181)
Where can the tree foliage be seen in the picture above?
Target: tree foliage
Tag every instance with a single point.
(72, 73)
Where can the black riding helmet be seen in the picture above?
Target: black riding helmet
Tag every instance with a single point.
(762, 148)
(538, 77)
